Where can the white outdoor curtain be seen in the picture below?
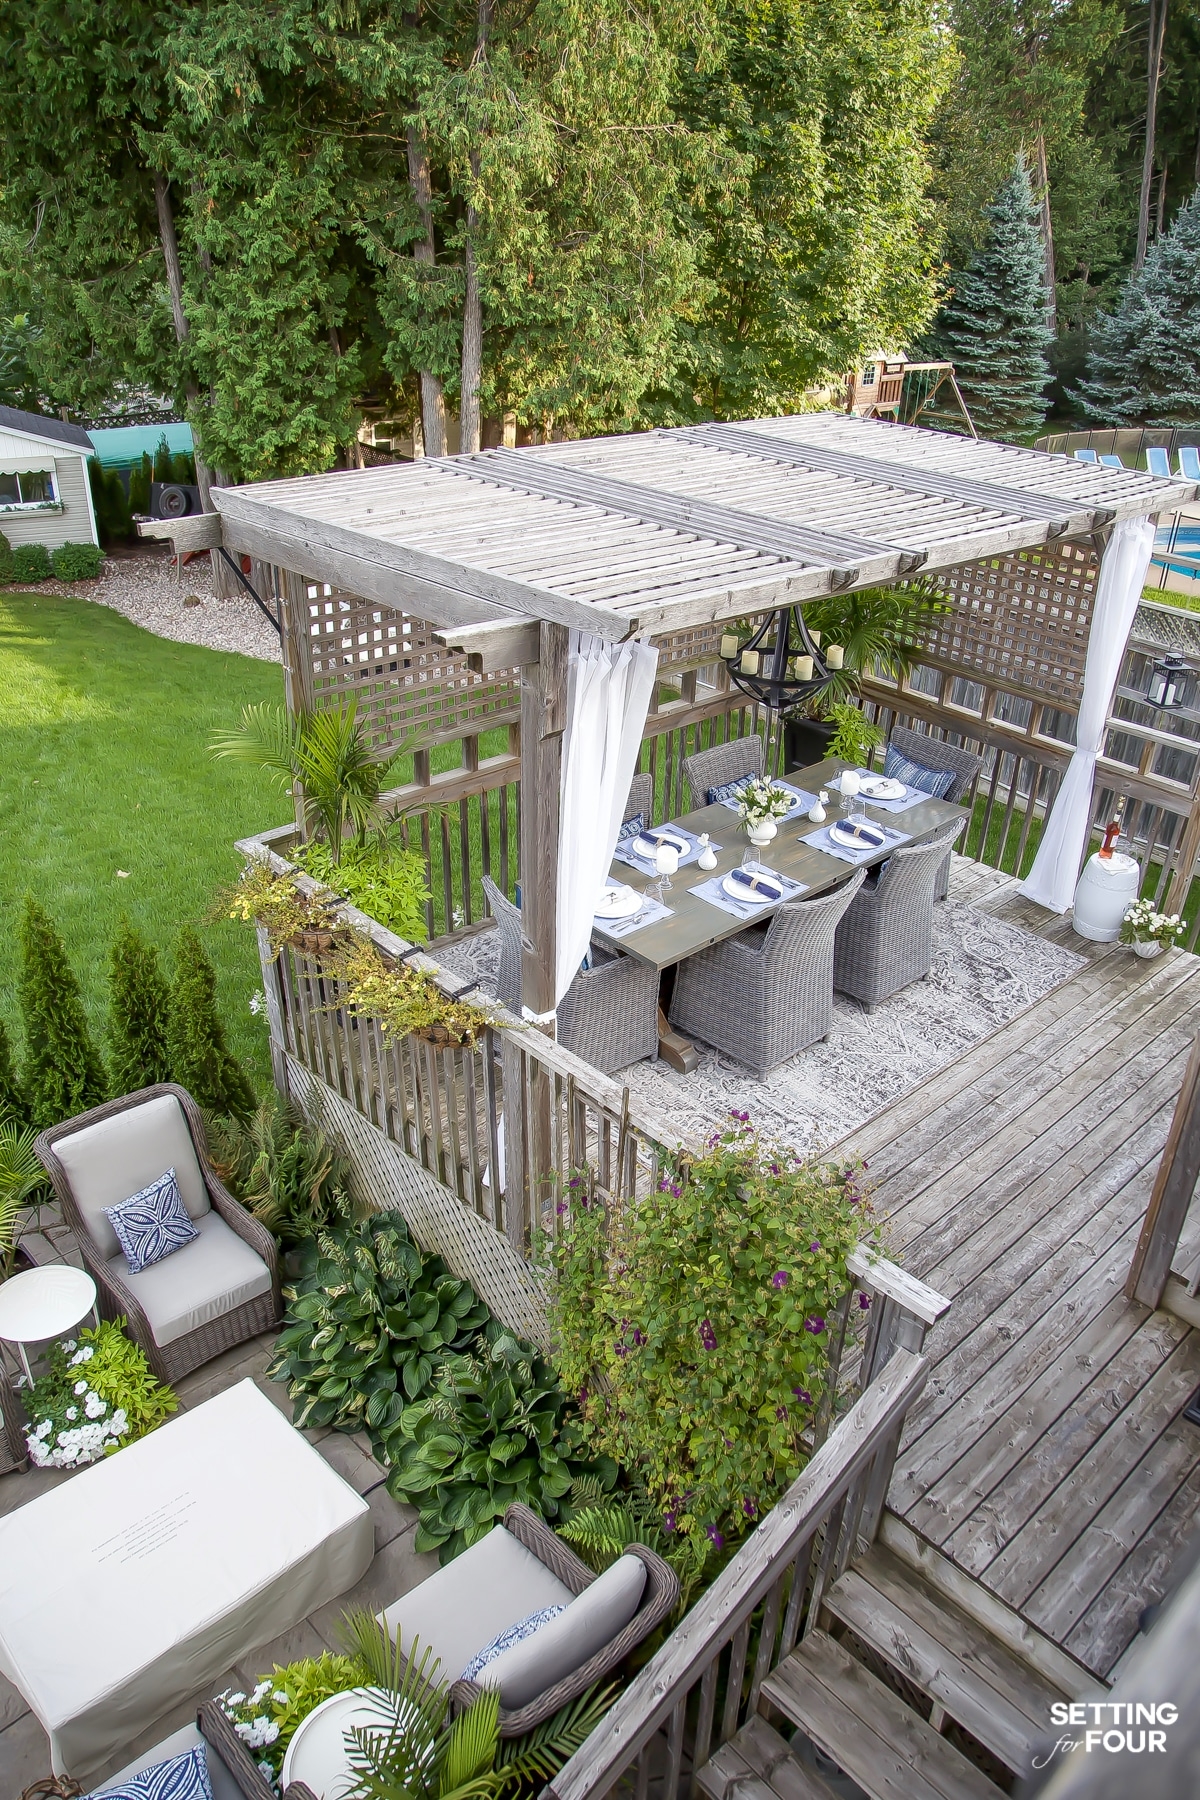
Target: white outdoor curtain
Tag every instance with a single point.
(609, 688)
(1051, 881)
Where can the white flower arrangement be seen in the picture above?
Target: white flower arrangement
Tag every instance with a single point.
(81, 1410)
(760, 800)
(1143, 925)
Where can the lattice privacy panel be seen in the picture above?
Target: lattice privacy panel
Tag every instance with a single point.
(400, 677)
(1022, 619)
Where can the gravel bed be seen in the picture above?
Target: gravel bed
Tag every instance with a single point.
(144, 586)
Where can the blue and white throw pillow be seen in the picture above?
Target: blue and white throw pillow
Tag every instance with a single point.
(729, 790)
(512, 1634)
(182, 1777)
(153, 1223)
(631, 828)
(935, 782)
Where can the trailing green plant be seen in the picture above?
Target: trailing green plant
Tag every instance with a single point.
(261, 897)
(138, 1013)
(284, 1170)
(22, 1178)
(369, 1321)
(855, 737)
(694, 1328)
(382, 879)
(77, 562)
(201, 1060)
(63, 1073)
(266, 1718)
(31, 562)
(402, 999)
(493, 1427)
(12, 1097)
(97, 1395)
(328, 754)
(417, 1751)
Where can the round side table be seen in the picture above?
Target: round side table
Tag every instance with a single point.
(44, 1303)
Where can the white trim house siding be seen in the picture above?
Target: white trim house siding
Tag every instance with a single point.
(71, 519)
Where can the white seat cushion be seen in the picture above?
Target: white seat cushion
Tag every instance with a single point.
(563, 1644)
(473, 1599)
(117, 1157)
(208, 1277)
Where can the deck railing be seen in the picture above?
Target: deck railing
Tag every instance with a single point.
(705, 1681)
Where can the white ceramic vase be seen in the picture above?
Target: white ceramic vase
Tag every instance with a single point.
(1146, 947)
(761, 831)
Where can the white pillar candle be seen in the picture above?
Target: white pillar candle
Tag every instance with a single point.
(666, 860)
(835, 656)
(749, 662)
(849, 783)
(816, 638)
(804, 668)
(729, 646)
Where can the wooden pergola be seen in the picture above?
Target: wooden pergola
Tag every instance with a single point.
(674, 531)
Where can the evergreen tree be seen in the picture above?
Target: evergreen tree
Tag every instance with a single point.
(12, 1100)
(63, 1072)
(200, 1058)
(993, 327)
(1144, 367)
(138, 1014)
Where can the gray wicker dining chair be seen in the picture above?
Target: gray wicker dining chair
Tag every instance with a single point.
(931, 753)
(764, 995)
(640, 799)
(723, 763)
(220, 1289)
(609, 1015)
(885, 940)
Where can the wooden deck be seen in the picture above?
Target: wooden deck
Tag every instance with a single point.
(1047, 1459)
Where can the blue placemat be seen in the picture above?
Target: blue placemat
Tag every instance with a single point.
(801, 801)
(911, 796)
(821, 840)
(712, 891)
(651, 912)
(625, 852)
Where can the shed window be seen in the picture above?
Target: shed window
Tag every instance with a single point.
(28, 487)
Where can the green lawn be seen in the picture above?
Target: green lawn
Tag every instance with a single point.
(103, 767)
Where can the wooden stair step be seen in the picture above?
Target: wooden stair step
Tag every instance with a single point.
(976, 1679)
(757, 1764)
(866, 1729)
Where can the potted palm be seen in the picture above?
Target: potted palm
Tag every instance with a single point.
(21, 1178)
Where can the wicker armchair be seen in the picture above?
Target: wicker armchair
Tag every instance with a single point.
(724, 762)
(609, 1015)
(566, 1570)
(232, 1771)
(217, 1291)
(886, 938)
(930, 753)
(640, 798)
(13, 1454)
(763, 996)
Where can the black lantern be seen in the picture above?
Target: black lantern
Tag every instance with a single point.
(781, 665)
(1166, 681)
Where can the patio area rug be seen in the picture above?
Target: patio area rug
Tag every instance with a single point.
(984, 971)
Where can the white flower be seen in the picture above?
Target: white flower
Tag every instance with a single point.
(234, 1699)
(94, 1406)
(280, 1698)
(45, 1426)
(81, 1387)
(84, 1355)
(72, 1412)
(264, 1687)
(258, 1002)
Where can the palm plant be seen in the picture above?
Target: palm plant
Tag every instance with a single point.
(21, 1176)
(882, 630)
(420, 1753)
(327, 755)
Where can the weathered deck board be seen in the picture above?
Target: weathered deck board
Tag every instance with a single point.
(1047, 1457)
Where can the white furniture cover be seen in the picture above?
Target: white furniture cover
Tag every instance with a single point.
(134, 1585)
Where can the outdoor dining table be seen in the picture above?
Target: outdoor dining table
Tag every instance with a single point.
(695, 923)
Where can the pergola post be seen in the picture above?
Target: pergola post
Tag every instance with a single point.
(543, 716)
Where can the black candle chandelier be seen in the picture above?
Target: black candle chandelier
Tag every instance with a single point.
(781, 665)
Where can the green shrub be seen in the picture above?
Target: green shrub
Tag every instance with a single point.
(76, 562)
(31, 562)
(162, 460)
(123, 1401)
(138, 1013)
(183, 469)
(114, 520)
(695, 1330)
(63, 1073)
(12, 1098)
(200, 1058)
(387, 883)
(369, 1322)
(283, 1170)
(140, 477)
(6, 558)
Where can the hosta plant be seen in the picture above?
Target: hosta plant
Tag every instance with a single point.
(369, 1322)
(493, 1428)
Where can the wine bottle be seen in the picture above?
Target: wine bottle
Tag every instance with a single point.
(1112, 832)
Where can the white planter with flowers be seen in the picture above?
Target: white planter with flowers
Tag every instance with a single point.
(1149, 932)
(761, 804)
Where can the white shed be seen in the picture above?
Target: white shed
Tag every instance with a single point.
(45, 494)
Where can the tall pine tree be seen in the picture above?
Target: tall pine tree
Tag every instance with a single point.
(63, 1073)
(1144, 366)
(201, 1060)
(993, 327)
(12, 1100)
(140, 1004)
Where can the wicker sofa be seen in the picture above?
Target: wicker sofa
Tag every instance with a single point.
(220, 1289)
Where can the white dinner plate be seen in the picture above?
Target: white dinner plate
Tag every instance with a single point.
(738, 890)
(647, 846)
(881, 787)
(619, 902)
(864, 837)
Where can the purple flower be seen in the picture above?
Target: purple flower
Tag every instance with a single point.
(708, 1336)
(669, 1521)
(583, 1394)
(803, 1395)
(574, 1181)
(742, 1117)
(780, 1278)
(815, 1324)
(775, 1168)
(639, 1338)
(621, 1349)
(816, 1244)
(781, 1412)
(749, 1508)
(864, 1300)
(561, 1208)
(715, 1538)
